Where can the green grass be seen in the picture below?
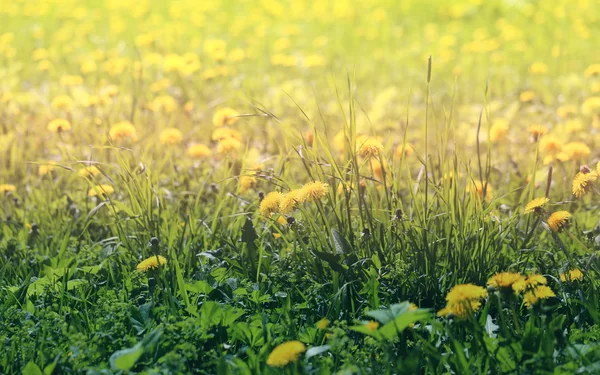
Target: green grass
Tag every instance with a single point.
(431, 81)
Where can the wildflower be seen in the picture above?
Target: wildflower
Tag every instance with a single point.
(199, 151)
(477, 187)
(462, 300)
(592, 70)
(225, 116)
(527, 96)
(290, 201)
(540, 292)
(7, 188)
(529, 282)
(406, 150)
(281, 219)
(504, 279)
(246, 183)
(313, 191)
(370, 148)
(171, 136)
(152, 262)
(228, 145)
(577, 150)
(45, 169)
(538, 68)
(572, 275)
(286, 353)
(270, 203)
(558, 220)
(62, 102)
(499, 131)
(101, 190)
(583, 183)
(536, 205)
(536, 131)
(372, 325)
(90, 171)
(323, 323)
(223, 133)
(591, 106)
(122, 130)
(59, 125)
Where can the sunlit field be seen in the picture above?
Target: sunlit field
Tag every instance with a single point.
(299, 187)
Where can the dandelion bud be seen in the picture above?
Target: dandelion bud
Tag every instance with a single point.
(261, 196)
(34, 228)
(584, 169)
(291, 220)
(398, 214)
(366, 232)
(151, 282)
(154, 241)
(491, 289)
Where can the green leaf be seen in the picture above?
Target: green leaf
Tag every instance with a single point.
(32, 369)
(125, 359)
(200, 287)
(341, 245)
(316, 350)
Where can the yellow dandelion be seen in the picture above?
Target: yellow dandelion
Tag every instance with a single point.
(558, 220)
(323, 323)
(290, 201)
(7, 188)
(246, 183)
(536, 205)
(592, 70)
(462, 300)
(577, 150)
(45, 169)
(199, 151)
(171, 136)
(477, 188)
(122, 130)
(529, 282)
(62, 102)
(225, 116)
(591, 106)
(499, 131)
(538, 293)
(504, 279)
(223, 133)
(270, 204)
(90, 171)
(228, 145)
(372, 325)
(527, 96)
(313, 191)
(102, 190)
(59, 126)
(286, 353)
(151, 263)
(572, 275)
(371, 147)
(583, 183)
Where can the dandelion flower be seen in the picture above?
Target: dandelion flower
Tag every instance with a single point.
(225, 116)
(270, 203)
(558, 220)
(371, 147)
(592, 70)
(504, 279)
(59, 126)
(286, 353)
(101, 190)
(591, 106)
(223, 133)
(583, 183)
(572, 275)
(199, 151)
(90, 171)
(45, 169)
(246, 183)
(477, 187)
(152, 262)
(372, 325)
(577, 150)
(536, 205)
(290, 201)
(462, 300)
(7, 188)
(527, 96)
(323, 323)
(529, 282)
(313, 191)
(62, 102)
(122, 130)
(499, 131)
(228, 145)
(171, 136)
(535, 295)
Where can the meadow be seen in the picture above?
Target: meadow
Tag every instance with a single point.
(299, 187)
